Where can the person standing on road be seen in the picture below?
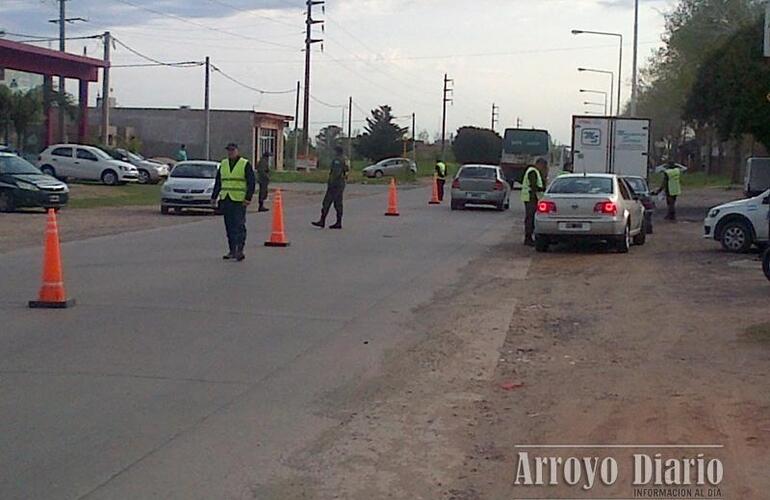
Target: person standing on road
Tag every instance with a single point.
(181, 155)
(672, 185)
(263, 179)
(234, 188)
(335, 188)
(531, 185)
(440, 178)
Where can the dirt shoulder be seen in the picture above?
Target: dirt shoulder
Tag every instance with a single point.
(666, 345)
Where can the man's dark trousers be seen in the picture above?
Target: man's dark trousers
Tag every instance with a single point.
(530, 207)
(235, 223)
(263, 186)
(333, 196)
(671, 203)
(440, 183)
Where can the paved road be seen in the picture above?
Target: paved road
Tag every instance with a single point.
(179, 375)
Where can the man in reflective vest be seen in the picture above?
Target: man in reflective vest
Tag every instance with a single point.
(672, 185)
(234, 188)
(440, 178)
(531, 185)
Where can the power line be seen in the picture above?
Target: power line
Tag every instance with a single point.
(319, 101)
(155, 62)
(249, 87)
(250, 12)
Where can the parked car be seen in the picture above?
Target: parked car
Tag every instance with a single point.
(740, 224)
(640, 187)
(8, 149)
(757, 178)
(590, 206)
(480, 185)
(23, 185)
(75, 161)
(189, 185)
(392, 166)
(150, 172)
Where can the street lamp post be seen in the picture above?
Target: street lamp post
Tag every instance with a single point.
(620, 57)
(634, 69)
(612, 82)
(589, 103)
(598, 92)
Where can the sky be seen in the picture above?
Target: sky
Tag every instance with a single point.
(517, 54)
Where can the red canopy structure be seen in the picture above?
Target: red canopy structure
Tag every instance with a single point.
(49, 63)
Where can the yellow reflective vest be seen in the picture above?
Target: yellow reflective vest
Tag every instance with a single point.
(441, 170)
(233, 180)
(526, 189)
(674, 176)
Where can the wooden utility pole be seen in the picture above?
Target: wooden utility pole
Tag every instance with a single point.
(62, 21)
(106, 89)
(447, 92)
(495, 115)
(296, 128)
(414, 138)
(350, 128)
(207, 109)
(309, 41)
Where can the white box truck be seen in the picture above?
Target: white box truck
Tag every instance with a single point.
(603, 144)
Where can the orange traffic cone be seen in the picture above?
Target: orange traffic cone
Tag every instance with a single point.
(52, 295)
(278, 236)
(392, 199)
(434, 197)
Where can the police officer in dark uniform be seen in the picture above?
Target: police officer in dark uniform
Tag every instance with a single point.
(263, 179)
(234, 188)
(335, 188)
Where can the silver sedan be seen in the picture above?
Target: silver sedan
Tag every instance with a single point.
(480, 185)
(590, 206)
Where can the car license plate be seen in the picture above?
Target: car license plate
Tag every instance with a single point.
(187, 197)
(575, 226)
(54, 197)
(475, 195)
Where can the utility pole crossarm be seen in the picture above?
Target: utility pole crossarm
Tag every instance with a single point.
(309, 41)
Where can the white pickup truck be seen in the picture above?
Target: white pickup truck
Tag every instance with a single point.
(740, 224)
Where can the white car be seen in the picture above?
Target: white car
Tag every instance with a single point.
(190, 185)
(76, 161)
(392, 166)
(739, 224)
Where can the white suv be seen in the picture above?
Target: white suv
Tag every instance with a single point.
(77, 161)
(739, 224)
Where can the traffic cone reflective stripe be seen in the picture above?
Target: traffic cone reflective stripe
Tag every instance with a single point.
(434, 197)
(52, 294)
(278, 235)
(392, 199)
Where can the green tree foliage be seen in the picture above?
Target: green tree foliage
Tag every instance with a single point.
(731, 88)
(477, 145)
(26, 110)
(381, 138)
(327, 139)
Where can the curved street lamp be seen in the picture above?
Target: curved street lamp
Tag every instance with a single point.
(620, 57)
(598, 92)
(612, 81)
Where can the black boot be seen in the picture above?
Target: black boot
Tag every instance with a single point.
(337, 225)
(230, 254)
(262, 208)
(239, 256)
(321, 222)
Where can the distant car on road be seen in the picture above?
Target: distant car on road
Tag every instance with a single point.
(189, 185)
(480, 185)
(76, 161)
(640, 187)
(23, 185)
(392, 166)
(739, 224)
(150, 172)
(590, 206)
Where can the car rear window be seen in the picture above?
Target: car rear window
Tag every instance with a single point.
(582, 185)
(638, 184)
(195, 171)
(477, 173)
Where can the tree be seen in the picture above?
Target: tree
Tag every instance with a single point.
(6, 98)
(381, 138)
(477, 145)
(327, 139)
(26, 110)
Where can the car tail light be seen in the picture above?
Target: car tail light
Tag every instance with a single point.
(606, 208)
(648, 203)
(546, 207)
(499, 186)
(456, 184)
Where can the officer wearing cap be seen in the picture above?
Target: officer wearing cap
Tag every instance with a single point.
(234, 188)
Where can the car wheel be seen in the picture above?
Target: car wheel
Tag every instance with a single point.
(164, 209)
(641, 238)
(736, 237)
(48, 170)
(144, 177)
(500, 206)
(541, 243)
(110, 178)
(766, 263)
(378, 174)
(454, 205)
(624, 243)
(7, 203)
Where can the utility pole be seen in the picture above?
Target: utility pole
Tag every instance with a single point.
(309, 41)
(207, 110)
(634, 75)
(350, 128)
(414, 138)
(62, 21)
(296, 128)
(106, 89)
(495, 115)
(519, 123)
(447, 91)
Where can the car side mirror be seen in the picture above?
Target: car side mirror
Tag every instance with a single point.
(766, 201)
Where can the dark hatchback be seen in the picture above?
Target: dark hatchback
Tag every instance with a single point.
(23, 185)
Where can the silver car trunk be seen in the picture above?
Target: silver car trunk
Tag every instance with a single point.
(576, 206)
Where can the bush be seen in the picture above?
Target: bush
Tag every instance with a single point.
(477, 145)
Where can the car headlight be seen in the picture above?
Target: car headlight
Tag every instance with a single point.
(167, 188)
(714, 213)
(210, 190)
(28, 187)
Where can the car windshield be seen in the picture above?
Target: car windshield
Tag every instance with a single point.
(195, 171)
(638, 184)
(477, 173)
(135, 156)
(16, 165)
(582, 185)
(100, 154)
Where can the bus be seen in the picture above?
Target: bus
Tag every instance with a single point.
(521, 148)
